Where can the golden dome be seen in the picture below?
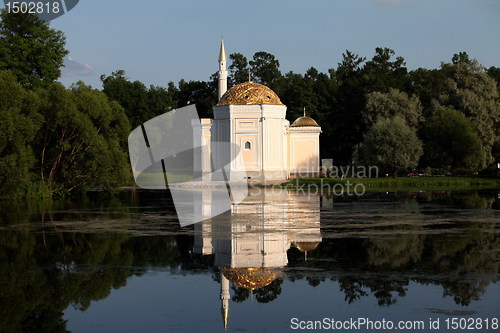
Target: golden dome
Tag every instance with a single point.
(304, 121)
(306, 246)
(250, 278)
(249, 93)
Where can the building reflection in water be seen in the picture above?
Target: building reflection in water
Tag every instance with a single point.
(250, 243)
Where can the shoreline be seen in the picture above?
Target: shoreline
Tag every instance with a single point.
(410, 184)
(423, 183)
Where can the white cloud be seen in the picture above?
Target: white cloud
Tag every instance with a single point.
(392, 3)
(73, 67)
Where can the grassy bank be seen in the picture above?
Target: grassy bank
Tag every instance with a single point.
(404, 183)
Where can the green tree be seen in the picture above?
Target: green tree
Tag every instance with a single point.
(383, 72)
(394, 103)
(19, 122)
(451, 143)
(316, 92)
(160, 99)
(346, 112)
(132, 96)
(470, 90)
(461, 57)
(297, 93)
(428, 85)
(30, 49)
(392, 145)
(238, 70)
(82, 141)
(140, 103)
(201, 93)
(494, 73)
(265, 69)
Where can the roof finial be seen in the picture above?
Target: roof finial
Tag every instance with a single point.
(222, 52)
(249, 75)
(304, 111)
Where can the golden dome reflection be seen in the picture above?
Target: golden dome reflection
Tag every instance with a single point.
(306, 246)
(249, 93)
(250, 278)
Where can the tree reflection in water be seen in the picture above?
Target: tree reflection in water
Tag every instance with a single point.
(54, 255)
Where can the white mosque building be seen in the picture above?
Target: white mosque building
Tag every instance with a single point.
(249, 131)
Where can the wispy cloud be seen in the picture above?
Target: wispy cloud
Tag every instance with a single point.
(391, 3)
(73, 67)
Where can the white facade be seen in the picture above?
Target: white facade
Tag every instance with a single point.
(303, 152)
(257, 137)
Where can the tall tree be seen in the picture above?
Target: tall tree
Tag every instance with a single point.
(346, 113)
(471, 90)
(494, 73)
(392, 145)
(383, 72)
(19, 123)
(428, 85)
(461, 57)
(238, 70)
(132, 96)
(265, 69)
(30, 49)
(297, 93)
(316, 92)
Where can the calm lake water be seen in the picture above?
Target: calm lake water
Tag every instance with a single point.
(428, 261)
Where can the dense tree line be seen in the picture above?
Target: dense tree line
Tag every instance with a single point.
(439, 120)
(372, 111)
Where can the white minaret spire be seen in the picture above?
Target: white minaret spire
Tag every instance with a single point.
(222, 70)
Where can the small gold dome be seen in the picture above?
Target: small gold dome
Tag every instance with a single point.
(249, 93)
(250, 278)
(306, 246)
(304, 121)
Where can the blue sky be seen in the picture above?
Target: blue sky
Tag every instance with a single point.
(157, 41)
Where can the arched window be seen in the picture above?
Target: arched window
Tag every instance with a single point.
(248, 146)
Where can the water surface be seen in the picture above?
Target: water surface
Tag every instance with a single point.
(123, 264)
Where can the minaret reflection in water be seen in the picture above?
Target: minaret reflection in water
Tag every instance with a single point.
(250, 243)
